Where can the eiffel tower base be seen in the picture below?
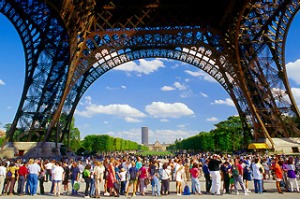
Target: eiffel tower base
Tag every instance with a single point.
(31, 150)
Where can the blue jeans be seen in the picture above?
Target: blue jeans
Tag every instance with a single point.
(258, 186)
(92, 187)
(21, 184)
(33, 183)
(155, 185)
(196, 185)
(74, 192)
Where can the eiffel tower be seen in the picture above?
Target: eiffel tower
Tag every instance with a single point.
(69, 44)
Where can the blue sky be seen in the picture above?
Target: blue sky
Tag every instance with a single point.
(173, 99)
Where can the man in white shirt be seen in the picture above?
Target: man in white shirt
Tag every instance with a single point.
(33, 170)
(257, 172)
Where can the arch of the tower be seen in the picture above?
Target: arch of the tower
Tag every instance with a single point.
(62, 61)
(102, 59)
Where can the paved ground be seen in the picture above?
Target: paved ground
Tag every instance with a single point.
(269, 186)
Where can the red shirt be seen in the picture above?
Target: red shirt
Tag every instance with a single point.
(194, 172)
(23, 170)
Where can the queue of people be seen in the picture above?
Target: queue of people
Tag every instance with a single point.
(131, 175)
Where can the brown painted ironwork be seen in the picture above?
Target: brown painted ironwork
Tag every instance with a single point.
(70, 44)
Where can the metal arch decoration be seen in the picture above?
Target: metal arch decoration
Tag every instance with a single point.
(45, 58)
(61, 38)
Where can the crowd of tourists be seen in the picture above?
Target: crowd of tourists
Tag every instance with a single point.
(127, 174)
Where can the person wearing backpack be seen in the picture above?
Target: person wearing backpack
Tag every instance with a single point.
(10, 178)
(132, 179)
(237, 174)
(86, 174)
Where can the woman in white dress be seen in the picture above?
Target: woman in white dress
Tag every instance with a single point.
(178, 177)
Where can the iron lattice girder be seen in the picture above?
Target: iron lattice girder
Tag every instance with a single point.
(45, 56)
(261, 41)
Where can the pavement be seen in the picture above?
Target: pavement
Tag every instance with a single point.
(269, 186)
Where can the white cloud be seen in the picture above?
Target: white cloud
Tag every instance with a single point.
(2, 83)
(193, 73)
(115, 88)
(179, 86)
(121, 110)
(87, 101)
(164, 120)
(203, 94)
(293, 71)
(144, 67)
(176, 86)
(167, 88)
(227, 102)
(296, 94)
(132, 120)
(201, 74)
(166, 110)
(212, 119)
(182, 126)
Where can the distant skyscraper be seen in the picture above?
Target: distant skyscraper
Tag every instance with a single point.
(145, 135)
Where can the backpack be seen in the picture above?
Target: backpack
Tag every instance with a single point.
(235, 171)
(9, 174)
(132, 173)
(186, 190)
(85, 173)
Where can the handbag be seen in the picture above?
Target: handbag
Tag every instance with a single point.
(116, 186)
(146, 181)
(76, 186)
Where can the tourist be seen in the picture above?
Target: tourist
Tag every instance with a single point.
(2, 176)
(291, 174)
(179, 168)
(65, 181)
(23, 172)
(278, 174)
(207, 176)
(258, 171)
(41, 177)
(98, 177)
(111, 179)
(247, 172)
(226, 173)
(143, 174)
(133, 177)
(214, 170)
(57, 177)
(86, 174)
(154, 176)
(237, 173)
(74, 177)
(10, 178)
(165, 179)
(34, 169)
(195, 173)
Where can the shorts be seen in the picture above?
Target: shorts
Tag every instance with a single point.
(278, 179)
